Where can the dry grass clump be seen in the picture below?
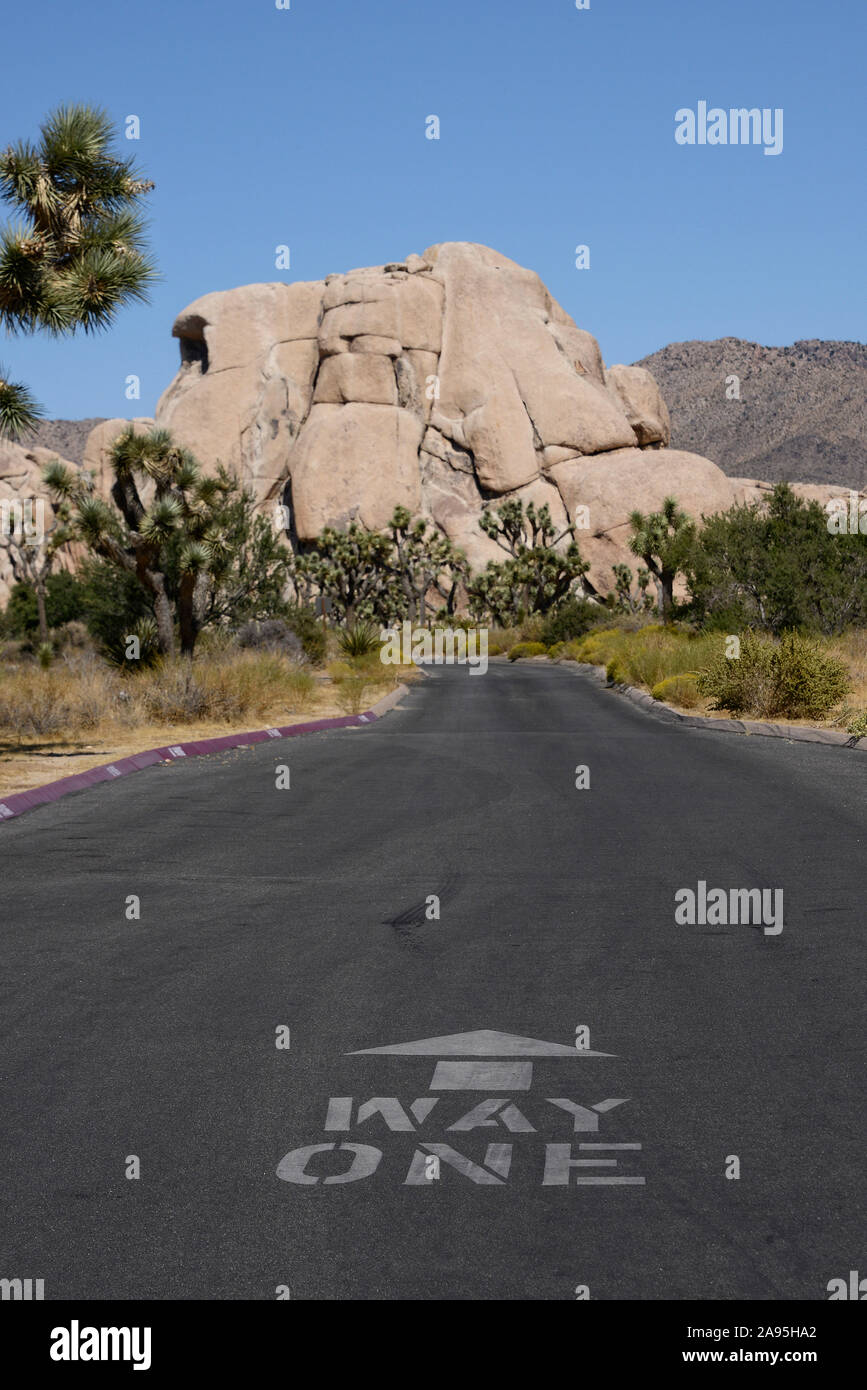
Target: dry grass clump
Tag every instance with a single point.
(361, 680)
(649, 655)
(82, 694)
(220, 687)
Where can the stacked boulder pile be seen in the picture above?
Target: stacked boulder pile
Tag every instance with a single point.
(443, 383)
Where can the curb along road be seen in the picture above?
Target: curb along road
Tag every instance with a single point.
(798, 733)
(20, 802)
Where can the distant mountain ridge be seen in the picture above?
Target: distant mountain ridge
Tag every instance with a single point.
(68, 437)
(800, 416)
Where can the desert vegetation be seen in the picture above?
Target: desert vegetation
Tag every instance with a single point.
(187, 609)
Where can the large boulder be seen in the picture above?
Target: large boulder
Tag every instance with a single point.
(613, 485)
(442, 383)
(461, 338)
(355, 462)
(642, 403)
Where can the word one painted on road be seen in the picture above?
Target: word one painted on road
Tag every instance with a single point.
(467, 1064)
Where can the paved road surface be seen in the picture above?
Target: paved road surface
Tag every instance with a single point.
(308, 908)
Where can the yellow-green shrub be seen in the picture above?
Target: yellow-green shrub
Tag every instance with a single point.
(792, 679)
(526, 649)
(678, 690)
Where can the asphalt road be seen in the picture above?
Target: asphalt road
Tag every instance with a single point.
(308, 908)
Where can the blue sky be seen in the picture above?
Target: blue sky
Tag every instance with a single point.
(306, 127)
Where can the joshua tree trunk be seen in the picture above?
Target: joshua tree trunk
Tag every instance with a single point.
(39, 586)
(665, 595)
(162, 613)
(187, 623)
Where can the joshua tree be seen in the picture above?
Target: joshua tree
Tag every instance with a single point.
(421, 559)
(195, 547)
(516, 531)
(32, 550)
(664, 540)
(537, 576)
(76, 253)
(350, 568)
(625, 598)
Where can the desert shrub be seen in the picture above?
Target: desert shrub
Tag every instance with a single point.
(792, 679)
(271, 635)
(527, 649)
(570, 650)
(81, 692)
(358, 680)
(173, 695)
(309, 631)
(250, 683)
(571, 619)
(64, 603)
(776, 565)
(747, 684)
(555, 653)
(809, 681)
(352, 681)
(69, 697)
(144, 631)
(600, 646)
(254, 682)
(359, 639)
(503, 637)
(71, 636)
(531, 628)
(655, 653)
(113, 603)
(678, 690)
(648, 654)
(858, 724)
(31, 705)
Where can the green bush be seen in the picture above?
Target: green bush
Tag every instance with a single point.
(310, 632)
(678, 690)
(794, 679)
(858, 724)
(776, 565)
(526, 649)
(810, 682)
(573, 618)
(64, 603)
(113, 603)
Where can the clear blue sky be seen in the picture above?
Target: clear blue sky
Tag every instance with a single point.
(307, 127)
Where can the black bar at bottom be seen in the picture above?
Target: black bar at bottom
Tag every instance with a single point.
(167, 1339)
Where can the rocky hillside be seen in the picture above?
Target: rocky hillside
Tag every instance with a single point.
(800, 414)
(68, 438)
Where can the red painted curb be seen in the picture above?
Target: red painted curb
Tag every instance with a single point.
(20, 802)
